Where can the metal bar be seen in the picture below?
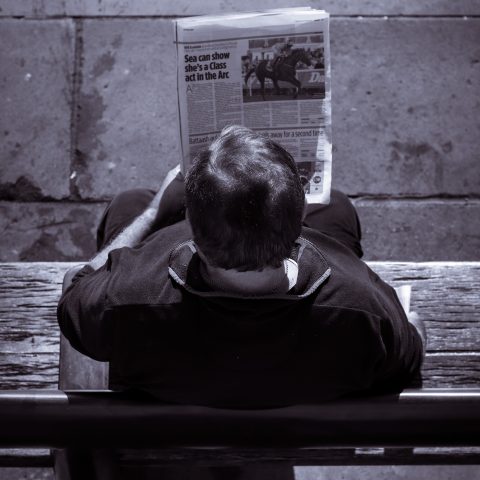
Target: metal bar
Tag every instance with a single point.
(424, 417)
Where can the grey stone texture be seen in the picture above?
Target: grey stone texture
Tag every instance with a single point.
(405, 106)
(127, 125)
(42, 8)
(88, 108)
(31, 8)
(420, 230)
(36, 59)
(47, 231)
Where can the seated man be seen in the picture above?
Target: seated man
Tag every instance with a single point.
(238, 305)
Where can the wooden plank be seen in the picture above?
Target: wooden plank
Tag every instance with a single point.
(28, 370)
(301, 457)
(444, 293)
(29, 335)
(25, 457)
(40, 371)
(29, 294)
(451, 370)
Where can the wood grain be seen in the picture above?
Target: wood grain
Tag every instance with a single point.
(444, 293)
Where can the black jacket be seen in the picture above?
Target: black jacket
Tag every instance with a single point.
(340, 330)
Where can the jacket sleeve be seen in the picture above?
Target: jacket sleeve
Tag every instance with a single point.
(82, 314)
(403, 348)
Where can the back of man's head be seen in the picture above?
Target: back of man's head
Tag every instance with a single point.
(245, 201)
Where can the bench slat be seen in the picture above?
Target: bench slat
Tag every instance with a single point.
(413, 418)
(40, 371)
(28, 370)
(444, 293)
(132, 459)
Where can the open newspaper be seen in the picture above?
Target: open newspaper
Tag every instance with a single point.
(403, 293)
(269, 71)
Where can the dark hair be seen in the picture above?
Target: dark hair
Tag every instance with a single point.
(245, 201)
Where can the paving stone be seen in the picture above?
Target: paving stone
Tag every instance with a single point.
(48, 231)
(36, 59)
(406, 97)
(31, 8)
(337, 7)
(127, 115)
(424, 230)
(392, 230)
(43, 8)
(400, 124)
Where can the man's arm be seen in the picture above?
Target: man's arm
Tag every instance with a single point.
(81, 309)
(140, 227)
(419, 325)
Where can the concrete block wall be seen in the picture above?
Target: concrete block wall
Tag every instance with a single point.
(88, 108)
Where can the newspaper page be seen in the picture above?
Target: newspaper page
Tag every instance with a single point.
(404, 293)
(269, 71)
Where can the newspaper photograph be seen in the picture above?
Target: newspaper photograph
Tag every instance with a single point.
(268, 71)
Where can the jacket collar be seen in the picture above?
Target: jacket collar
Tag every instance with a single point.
(184, 269)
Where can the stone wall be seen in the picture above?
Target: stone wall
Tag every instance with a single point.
(88, 108)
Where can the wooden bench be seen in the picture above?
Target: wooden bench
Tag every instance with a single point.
(437, 422)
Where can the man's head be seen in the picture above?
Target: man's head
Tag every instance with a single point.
(245, 201)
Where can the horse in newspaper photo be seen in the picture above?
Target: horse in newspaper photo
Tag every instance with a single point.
(283, 70)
